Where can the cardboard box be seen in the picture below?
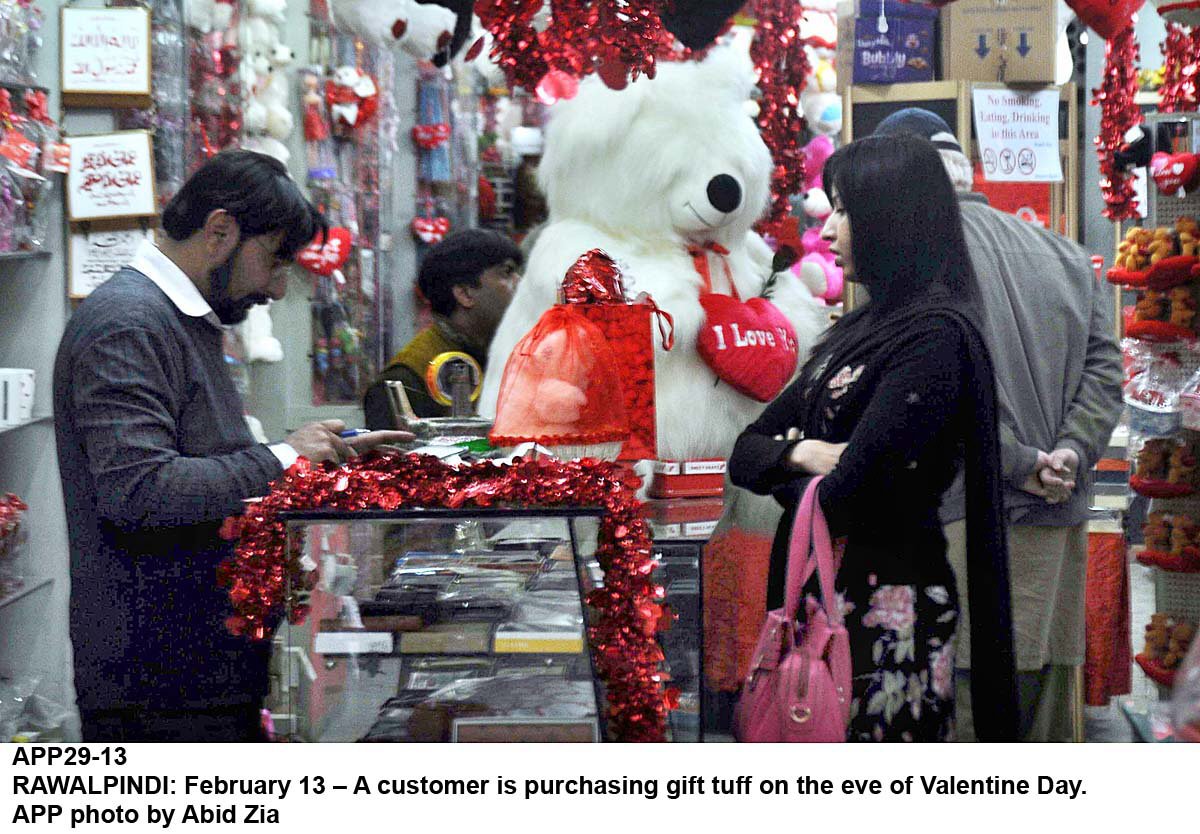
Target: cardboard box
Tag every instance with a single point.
(905, 53)
(999, 40)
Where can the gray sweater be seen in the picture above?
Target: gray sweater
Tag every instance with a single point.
(1048, 324)
(154, 453)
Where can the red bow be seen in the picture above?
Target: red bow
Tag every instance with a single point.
(700, 261)
(37, 107)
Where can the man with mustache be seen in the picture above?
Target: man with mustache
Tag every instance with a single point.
(154, 454)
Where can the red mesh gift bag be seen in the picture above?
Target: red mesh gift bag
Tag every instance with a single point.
(593, 286)
(561, 389)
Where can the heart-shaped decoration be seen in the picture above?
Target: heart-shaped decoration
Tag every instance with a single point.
(432, 135)
(431, 229)
(749, 345)
(556, 86)
(1173, 173)
(324, 259)
(1106, 17)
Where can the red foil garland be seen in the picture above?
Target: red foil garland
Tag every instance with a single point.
(782, 68)
(1118, 113)
(628, 607)
(618, 42)
(1182, 52)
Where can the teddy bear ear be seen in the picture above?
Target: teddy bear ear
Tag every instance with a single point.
(729, 70)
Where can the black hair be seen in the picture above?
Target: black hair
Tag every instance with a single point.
(256, 190)
(906, 236)
(461, 259)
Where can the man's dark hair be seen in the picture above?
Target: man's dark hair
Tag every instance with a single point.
(461, 259)
(258, 193)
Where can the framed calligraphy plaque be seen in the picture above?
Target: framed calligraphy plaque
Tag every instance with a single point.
(105, 56)
(95, 256)
(111, 177)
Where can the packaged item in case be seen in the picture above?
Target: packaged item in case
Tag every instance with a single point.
(448, 638)
(533, 697)
(12, 510)
(687, 478)
(545, 622)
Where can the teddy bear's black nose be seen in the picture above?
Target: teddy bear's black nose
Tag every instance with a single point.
(724, 193)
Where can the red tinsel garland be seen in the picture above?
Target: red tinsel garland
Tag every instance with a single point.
(629, 607)
(618, 42)
(1118, 113)
(1182, 52)
(782, 68)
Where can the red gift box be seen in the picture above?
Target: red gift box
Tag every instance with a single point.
(686, 478)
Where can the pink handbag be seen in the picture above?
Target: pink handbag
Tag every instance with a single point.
(798, 689)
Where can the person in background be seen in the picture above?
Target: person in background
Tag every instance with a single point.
(154, 454)
(1049, 326)
(885, 409)
(468, 279)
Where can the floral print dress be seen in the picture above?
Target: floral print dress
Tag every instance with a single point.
(897, 407)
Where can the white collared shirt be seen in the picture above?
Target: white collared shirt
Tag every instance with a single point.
(173, 281)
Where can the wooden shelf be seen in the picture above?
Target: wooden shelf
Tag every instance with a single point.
(24, 256)
(18, 85)
(45, 418)
(30, 587)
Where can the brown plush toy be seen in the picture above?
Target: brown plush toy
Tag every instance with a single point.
(1133, 254)
(1152, 459)
(1157, 532)
(1158, 636)
(1149, 307)
(1177, 645)
(1188, 232)
(1182, 531)
(1162, 245)
(1183, 306)
(1181, 468)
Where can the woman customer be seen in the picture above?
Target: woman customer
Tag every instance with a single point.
(888, 405)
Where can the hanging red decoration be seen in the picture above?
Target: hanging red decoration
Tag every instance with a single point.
(628, 607)
(1107, 18)
(617, 41)
(1118, 113)
(782, 68)
(1182, 52)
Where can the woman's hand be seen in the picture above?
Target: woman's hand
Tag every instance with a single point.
(816, 457)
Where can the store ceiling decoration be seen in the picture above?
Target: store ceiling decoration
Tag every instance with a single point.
(616, 40)
(1107, 18)
(1186, 13)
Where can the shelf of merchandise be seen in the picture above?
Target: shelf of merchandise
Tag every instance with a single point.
(24, 591)
(24, 85)
(45, 418)
(24, 256)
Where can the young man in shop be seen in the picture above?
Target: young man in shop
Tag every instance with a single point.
(468, 279)
(1049, 325)
(154, 453)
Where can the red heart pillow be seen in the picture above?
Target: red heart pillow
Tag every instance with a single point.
(325, 259)
(431, 229)
(749, 345)
(1106, 17)
(1174, 172)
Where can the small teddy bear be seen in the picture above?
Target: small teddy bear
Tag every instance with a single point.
(1157, 532)
(1183, 306)
(1188, 231)
(1158, 636)
(1178, 642)
(1150, 307)
(1152, 459)
(1161, 246)
(1182, 533)
(1181, 466)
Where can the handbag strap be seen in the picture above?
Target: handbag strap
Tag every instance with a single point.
(810, 549)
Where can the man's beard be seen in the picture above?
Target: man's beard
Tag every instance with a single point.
(228, 310)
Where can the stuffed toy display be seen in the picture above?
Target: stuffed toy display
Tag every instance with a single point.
(668, 176)
(817, 267)
(420, 29)
(267, 115)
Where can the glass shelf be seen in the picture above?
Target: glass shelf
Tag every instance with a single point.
(45, 418)
(31, 587)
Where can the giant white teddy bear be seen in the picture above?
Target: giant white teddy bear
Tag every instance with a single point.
(645, 173)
